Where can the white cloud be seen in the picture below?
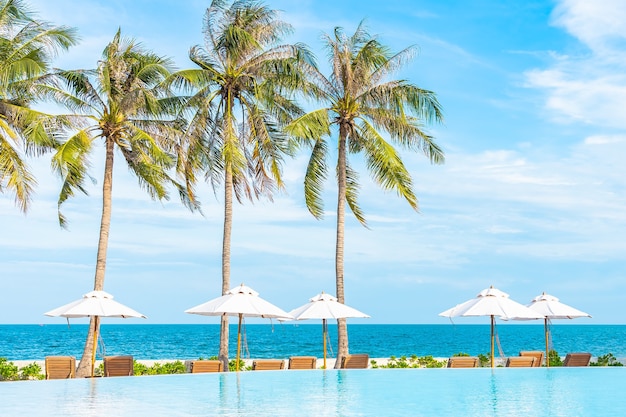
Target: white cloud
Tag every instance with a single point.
(589, 85)
(596, 23)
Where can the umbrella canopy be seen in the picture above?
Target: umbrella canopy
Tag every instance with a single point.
(97, 304)
(324, 306)
(494, 303)
(549, 307)
(241, 301)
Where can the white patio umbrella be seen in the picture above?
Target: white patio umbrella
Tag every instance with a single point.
(240, 301)
(324, 306)
(551, 308)
(97, 304)
(491, 302)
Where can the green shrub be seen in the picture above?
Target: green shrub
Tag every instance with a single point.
(430, 362)
(99, 371)
(167, 368)
(554, 358)
(606, 360)
(8, 370)
(140, 368)
(402, 362)
(484, 360)
(32, 371)
(176, 367)
(232, 365)
(412, 362)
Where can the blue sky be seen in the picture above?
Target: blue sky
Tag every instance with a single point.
(531, 197)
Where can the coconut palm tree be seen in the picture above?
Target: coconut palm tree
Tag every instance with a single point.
(122, 104)
(361, 103)
(27, 47)
(240, 102)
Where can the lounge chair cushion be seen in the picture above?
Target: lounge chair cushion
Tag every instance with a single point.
(302, 362)
(537, 354)
(463, 362)
(268, 365)
(60, 367)
(577, 359)
(118, 366)
(206, 366)
(520, 361)
(357, 361)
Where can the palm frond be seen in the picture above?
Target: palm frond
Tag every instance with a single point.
(71, 163)
(352, 194)
(15, 175)
(311, 126)
(316, 174)
(385, 164)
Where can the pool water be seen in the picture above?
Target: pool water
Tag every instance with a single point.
(532, 392)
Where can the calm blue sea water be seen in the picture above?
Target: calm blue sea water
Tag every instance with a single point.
(281, 340)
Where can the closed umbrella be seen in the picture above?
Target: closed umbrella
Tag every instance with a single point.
(97, 304)
(549, 307)
(494, 303)
(325, 306)
(240, 301)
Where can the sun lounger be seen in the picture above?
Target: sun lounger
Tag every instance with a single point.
(206, 366)
(358, 361)
(577, 359)
(520, 362)
(60, 367)
(118, 366)
(463, 362)
(537, 354)
(302, 362)
(268, 365)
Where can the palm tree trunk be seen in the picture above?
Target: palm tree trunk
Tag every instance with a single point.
(342, 328)
(228, 223)
(85, 364)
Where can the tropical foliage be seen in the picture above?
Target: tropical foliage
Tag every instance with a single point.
(123, 104)
(27, 47)
(361, 103)
(239, 101)
(411, 362)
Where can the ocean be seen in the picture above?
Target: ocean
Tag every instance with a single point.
(281, 340)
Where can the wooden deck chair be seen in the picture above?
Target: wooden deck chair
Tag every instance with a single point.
(206, 366)
(302, 362)
(577, 359)
(537, 354)
(463, 362)
(358, 361)
(520, 362)
(118, 366)
(268, 365)
(60, 367)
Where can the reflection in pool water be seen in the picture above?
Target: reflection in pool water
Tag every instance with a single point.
(535, 392)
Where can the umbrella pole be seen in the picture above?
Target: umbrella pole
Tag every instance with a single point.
(95, 343)
(493, 323)
(545, 324)
(324, 336)
(238, 342)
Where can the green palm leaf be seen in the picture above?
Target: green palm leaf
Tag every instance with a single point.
(27, 47)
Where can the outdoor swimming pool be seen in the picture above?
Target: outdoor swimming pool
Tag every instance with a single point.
(532, 392)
